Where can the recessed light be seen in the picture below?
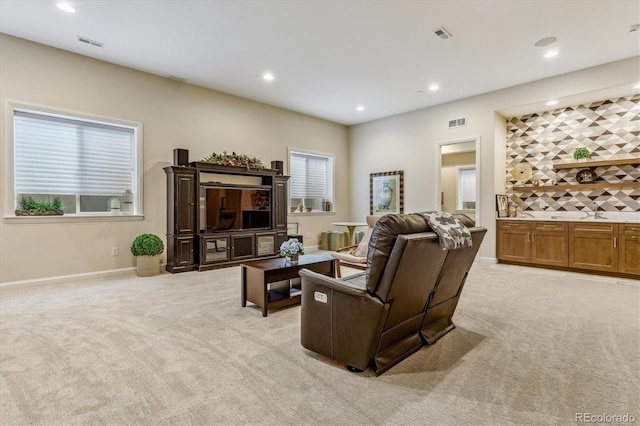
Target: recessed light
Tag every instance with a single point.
(434, 87)
(552, 103)
(267, 76)
(551, 53)
(545, 42)
(66, 7)
(359, 108)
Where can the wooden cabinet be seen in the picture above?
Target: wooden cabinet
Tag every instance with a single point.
(514, 241)
(549, 243)
(584, 246)
(181, 219)
(594, 246)
(543, 243)
(629, 248)
(280, 202)
(193, 244)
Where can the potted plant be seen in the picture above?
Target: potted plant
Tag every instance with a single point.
(31, 207)
(147, 249)
(581, 154)
(291, 249)
(300, 207)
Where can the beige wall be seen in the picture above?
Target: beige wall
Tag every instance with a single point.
(407, 141)
(174, 115)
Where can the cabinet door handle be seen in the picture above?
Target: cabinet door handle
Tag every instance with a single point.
(615, 242)
(533, 237)
(635, 237)
(528, 237)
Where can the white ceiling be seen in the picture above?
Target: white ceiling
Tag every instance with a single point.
(330, 56)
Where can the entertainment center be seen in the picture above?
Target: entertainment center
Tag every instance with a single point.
(219, 216)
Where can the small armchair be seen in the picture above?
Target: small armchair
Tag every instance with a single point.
(355, 256)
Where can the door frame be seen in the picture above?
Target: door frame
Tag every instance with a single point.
(438, 170)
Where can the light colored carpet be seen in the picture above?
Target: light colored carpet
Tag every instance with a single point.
(531, 347)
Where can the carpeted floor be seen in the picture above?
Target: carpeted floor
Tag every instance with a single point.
(532, 346)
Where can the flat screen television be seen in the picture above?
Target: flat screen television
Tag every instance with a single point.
(236, 208)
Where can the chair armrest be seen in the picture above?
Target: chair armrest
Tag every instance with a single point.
(346, 248)
(333, 283)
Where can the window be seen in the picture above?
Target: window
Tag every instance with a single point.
(88, 164)
(466, 188)
(311, 182)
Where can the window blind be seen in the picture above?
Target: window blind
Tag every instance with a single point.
(58, 155)
(308, 176)
(466, 186)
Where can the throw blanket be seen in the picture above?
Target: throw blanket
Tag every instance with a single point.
(453, 234)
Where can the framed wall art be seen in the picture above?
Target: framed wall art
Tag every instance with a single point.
(386, 192)
(502, 205)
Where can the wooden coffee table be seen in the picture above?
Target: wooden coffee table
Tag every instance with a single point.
(274, 283)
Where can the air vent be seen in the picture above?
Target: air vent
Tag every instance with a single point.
(458, 122)
(443, 33)
(89, 41)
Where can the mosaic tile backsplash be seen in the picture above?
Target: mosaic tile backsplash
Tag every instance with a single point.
(610, 129)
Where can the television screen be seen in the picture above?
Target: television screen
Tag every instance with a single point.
(237, 208)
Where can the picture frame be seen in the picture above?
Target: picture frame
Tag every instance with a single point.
(502, 205)
(386, 192)
(292, 228)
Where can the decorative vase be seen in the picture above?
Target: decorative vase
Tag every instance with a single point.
(385, 198)
(127, 202)
(293, 259)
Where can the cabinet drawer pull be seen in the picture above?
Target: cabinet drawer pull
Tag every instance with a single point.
(635, 237)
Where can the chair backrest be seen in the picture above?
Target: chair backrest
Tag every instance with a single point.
(363, 246)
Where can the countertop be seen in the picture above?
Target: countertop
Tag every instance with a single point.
(611, 217)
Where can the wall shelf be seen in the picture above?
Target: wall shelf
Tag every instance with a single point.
(577, 186)
(604, 163)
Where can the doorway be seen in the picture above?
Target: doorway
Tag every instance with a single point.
(458, 177)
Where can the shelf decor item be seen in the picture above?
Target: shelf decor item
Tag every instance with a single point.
(522, 172)
(147, 249)
(291, 250)
(582, 154)
(502, 205)
(235, 160)
(586, 176)
(31, 207)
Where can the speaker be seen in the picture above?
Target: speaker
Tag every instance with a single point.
(277, 165)
(180, 157)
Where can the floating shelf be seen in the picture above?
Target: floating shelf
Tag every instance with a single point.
(604, 163)
(576, 186)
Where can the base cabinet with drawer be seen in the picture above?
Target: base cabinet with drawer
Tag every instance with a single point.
(581, 246)
(542, 243)
(629, 255)
(594, 246)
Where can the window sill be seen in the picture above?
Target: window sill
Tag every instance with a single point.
(71, 218)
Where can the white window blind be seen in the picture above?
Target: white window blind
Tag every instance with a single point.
(308, 176)
(61, 155)
(466, 187)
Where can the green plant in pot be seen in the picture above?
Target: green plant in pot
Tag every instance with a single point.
(581, 154)
(31, 207)
(147, 249)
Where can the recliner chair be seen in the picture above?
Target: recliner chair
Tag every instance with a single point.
(405, 298)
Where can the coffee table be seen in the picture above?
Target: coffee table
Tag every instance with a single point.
(272, 283)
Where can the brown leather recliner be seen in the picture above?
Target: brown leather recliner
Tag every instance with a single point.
(404, 299)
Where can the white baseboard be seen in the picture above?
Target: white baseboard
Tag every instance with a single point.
(62, 278)
(487, 260)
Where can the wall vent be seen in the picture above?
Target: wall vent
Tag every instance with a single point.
(457, 122)
(89, 41)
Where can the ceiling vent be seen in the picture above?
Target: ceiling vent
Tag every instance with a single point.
(458, 122)
(89, 41)
(443, 33)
